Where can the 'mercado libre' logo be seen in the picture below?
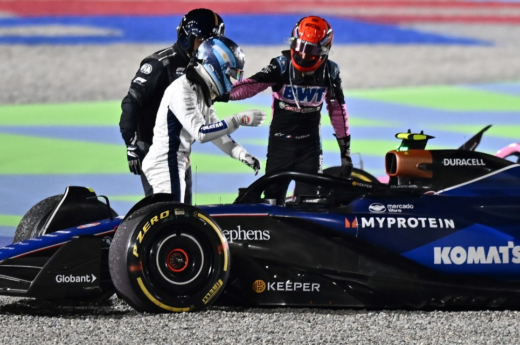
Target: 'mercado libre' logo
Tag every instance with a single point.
(376, 207)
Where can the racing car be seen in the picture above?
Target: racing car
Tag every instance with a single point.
(442, 233)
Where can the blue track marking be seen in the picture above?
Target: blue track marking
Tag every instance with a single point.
(512, 89)
(6, 231)
(241, 28)
(6, 240)
(409, 115)
(96, 134)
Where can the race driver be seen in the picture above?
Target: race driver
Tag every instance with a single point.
(186, 115)
(301, 79)
(155, 74)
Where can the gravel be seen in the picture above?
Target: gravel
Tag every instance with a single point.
(30, 321)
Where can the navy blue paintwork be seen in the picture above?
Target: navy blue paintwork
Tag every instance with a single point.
(468, 229)
(58, 238)
(450, 231)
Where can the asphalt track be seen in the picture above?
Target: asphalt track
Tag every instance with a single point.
(449, 68)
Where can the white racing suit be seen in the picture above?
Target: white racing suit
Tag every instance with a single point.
(182, 119)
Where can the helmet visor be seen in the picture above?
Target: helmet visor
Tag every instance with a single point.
(234, 73)
(308, 48)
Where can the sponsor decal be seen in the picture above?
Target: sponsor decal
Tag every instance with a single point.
(71, 279)
(392, 208)
(405, 186)
(146, 68)
(377, 208)
(459, 255)
(361, 184)
(259, 286)
(139, 80)
(213, 127)
(302, 136)
(293, 286)
(310, 94)
(87, 225)
(246, 235)
(398, 208)
(463, 162)
(245, 120)
(218, 285)
(180, 71)
(268, 69)
(147, 227)
(407, 223)
(285, 106)
(349, 224)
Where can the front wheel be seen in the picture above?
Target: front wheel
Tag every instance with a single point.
(33, 221)
(169, 257)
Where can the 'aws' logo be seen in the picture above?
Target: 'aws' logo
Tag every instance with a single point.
(311, 94)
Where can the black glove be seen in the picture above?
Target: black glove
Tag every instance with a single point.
(346, 161)
(135, 157)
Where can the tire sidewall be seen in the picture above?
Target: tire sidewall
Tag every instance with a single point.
(33, 221)
(145, 232)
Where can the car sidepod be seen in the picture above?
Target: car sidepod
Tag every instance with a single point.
(387, 250)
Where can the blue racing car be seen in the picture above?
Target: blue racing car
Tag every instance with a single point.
(442, 233)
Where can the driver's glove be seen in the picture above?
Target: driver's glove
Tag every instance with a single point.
(346, 161)
(251, 161)
(251, 118)
(135, 157)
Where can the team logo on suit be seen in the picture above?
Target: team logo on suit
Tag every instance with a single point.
(309, 94)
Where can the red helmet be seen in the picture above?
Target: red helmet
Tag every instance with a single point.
(311, 41)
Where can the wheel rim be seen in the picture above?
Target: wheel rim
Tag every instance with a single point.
(184, 274)
(177, 261)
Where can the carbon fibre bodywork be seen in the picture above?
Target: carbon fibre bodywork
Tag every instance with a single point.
(447, 238)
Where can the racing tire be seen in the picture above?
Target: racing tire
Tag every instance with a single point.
(33, 221)
(169, 257)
